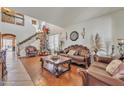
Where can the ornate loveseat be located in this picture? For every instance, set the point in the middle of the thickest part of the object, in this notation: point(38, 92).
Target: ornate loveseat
point(81, 55)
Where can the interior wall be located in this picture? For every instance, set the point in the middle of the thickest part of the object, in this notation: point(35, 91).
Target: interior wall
point(101, 25)
point(118, 25)
point(22, 32)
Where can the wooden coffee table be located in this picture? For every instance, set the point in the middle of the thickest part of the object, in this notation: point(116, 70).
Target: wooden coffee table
point(56, 67)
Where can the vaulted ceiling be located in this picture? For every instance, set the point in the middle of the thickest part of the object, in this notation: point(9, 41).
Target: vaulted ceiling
point(65, 16)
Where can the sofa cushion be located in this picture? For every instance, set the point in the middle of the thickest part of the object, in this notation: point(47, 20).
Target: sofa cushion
point(99, 65)
point(62, 54)
point(97, 70)
point(102, 59)
point(112, 66)
point(78, 58)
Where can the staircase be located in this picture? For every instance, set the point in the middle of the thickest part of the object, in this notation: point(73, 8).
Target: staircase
point(32, 40)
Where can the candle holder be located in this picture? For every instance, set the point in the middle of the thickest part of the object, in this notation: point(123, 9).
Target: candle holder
point(83, 33)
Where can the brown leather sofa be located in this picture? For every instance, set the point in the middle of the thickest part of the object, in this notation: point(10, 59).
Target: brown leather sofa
point(96, 74)
point(81, 56)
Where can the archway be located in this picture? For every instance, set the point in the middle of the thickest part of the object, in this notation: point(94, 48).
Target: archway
point(8, 41)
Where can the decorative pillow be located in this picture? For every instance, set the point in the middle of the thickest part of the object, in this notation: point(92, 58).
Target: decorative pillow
point(76, 52)
point(112, 66)
point(71, 52)
point(66, 50)
point(83, 52)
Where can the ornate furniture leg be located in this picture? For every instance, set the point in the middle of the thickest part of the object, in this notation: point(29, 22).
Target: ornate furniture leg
point(69, 65)
point(57, 71)
point(42, 63)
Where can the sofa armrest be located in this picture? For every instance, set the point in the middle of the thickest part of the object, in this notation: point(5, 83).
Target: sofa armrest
point(83, 73)
point(107, 80)
point(106, 60)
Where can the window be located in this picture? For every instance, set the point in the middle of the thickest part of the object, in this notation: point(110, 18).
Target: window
point(54, 42)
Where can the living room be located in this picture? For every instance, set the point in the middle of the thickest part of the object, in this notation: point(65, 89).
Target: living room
point(63, 45)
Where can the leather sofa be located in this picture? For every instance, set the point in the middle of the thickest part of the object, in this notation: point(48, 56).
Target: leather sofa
point(31, 51)
point(81, 56)
point(96, 74)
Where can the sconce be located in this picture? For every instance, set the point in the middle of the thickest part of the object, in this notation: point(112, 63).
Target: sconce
point(83, 33)
point(66, 36)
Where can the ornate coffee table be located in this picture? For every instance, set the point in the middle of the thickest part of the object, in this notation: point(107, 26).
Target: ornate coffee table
point(56, 67)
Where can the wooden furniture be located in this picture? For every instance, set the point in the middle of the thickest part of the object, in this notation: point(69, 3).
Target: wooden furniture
point(56, 67)
point(81, 55)
point(1, 70)
point(3, 67)
point(45, 53)
point(96, 74)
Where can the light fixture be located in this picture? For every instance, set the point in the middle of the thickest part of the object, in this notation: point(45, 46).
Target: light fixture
point(83, 33)
point(8, 11)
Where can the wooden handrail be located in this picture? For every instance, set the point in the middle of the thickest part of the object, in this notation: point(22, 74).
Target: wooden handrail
point(27, 39)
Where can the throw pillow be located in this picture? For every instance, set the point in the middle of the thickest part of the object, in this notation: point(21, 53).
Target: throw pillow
point(71, 52)
point(83, 52)
point(66, 50)
point(76, 52)
point(112, 66)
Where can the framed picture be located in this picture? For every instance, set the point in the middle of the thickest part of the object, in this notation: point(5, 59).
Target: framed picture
point(34, 22)
point(19, 19)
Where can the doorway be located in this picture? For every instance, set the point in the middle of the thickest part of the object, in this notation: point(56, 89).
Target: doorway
point(7, 44)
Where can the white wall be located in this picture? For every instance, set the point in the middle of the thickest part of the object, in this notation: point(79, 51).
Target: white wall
point(55, 29)
point(22, 32)
point(101, 25)
point(118, 25)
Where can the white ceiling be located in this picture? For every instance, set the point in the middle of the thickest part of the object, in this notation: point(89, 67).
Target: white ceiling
point(63, 16)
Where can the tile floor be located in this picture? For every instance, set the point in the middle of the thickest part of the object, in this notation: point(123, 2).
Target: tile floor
point(17, 75)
